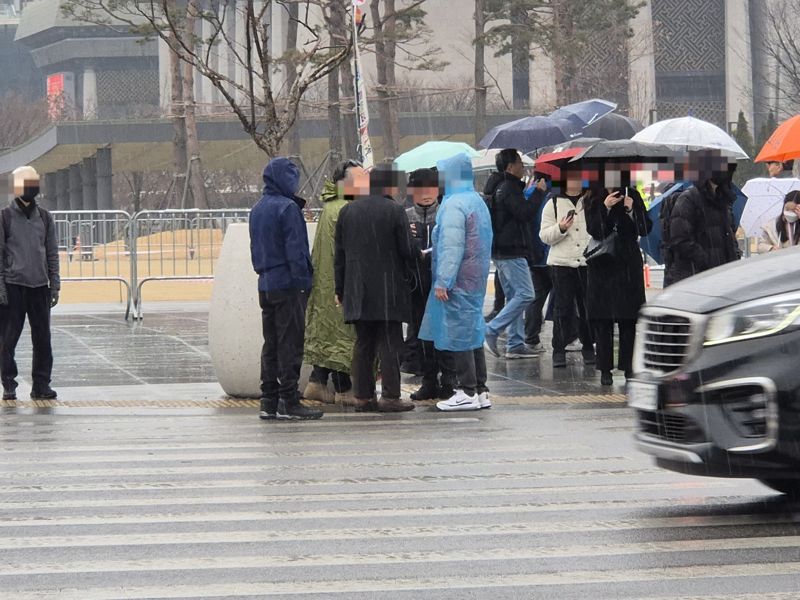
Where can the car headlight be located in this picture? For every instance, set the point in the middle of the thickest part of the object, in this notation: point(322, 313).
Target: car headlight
point(759, 318)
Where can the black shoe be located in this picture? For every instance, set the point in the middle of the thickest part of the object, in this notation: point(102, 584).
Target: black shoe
point(9, 394)
point(628, 375)
point(269, 409)
point(295, 411)
point(559, 360)
point(45, 394)
point(606, 378)
point(426, 392)
point(588, 356)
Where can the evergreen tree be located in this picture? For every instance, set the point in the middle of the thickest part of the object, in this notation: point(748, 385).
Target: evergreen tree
point(747, 169)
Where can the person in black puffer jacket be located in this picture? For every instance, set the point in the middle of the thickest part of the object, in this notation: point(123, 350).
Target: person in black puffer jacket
point(512, 215)
point(702, 234)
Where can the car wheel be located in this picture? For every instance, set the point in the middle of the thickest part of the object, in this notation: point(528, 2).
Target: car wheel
point(790, 487)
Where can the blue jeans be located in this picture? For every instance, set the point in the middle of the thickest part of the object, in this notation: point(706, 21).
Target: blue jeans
point(515, 277)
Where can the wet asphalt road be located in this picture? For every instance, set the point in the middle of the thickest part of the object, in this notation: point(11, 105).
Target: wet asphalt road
point(519, 502)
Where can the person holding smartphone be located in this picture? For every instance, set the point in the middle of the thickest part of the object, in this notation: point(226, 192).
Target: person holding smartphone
point(616, 283)
point(564, 230)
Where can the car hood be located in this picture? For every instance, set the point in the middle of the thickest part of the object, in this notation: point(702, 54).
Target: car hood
point(750, 279)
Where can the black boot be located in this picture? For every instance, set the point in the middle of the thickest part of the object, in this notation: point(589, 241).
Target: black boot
point(295, 411)
point(9, 393)
point(269, 409)
point(606, 378)
point(428, 391)
point(46, 393)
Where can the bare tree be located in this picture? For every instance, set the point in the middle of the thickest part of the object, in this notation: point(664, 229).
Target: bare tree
point(265, 113)
point(21, 119)
point(782, 45)
point(398, 26)
point(480, 67)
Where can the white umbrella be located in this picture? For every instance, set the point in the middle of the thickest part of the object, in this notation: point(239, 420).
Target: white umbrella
point(486, 159)
point(764, 201)
point(690, 133)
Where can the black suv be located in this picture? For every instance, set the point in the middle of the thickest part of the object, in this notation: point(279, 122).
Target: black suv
point(717, 373)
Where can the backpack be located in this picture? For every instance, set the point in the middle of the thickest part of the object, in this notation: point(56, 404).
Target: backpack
point(665, 215)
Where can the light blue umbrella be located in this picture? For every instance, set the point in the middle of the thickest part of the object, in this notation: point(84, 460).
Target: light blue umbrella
point(428, 154)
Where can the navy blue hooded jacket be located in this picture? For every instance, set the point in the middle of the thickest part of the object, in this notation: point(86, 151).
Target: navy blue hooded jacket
point(278, 236)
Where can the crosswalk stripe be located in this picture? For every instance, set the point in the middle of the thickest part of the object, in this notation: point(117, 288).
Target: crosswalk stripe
point(204, 537)
point(344, 586)
point(418, 496)
point(10, 522)
point(331, 560)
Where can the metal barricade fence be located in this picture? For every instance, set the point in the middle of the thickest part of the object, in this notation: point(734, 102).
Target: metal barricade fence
point(95, 246)
point(177, 245)
point(151, 245)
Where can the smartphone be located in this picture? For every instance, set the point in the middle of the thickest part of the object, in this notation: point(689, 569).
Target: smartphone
point(571, 214)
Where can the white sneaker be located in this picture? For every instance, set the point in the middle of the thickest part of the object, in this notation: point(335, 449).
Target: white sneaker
point(459, 401)
point(483, 400)
point(575, 346)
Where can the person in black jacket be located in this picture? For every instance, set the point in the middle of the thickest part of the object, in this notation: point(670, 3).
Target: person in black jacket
point(700, 231)
point(423, 187)
point(615, 284)
point(512, 215)
point(373, 256)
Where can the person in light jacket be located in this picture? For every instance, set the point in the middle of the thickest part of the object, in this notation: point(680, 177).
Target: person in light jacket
point(564, 230)
point(783, 232)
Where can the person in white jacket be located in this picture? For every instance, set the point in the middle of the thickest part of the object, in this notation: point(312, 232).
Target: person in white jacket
point(564, 230)
point(783, 232)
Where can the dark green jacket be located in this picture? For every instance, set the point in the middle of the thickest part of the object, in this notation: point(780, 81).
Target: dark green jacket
point(329, 341)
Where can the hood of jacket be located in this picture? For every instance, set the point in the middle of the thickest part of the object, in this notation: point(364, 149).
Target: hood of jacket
point(494, 181)
point(281, 178)
point(457, 174)
point(329, 192)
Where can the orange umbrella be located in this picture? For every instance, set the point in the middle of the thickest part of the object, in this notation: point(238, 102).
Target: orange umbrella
point(783, 144)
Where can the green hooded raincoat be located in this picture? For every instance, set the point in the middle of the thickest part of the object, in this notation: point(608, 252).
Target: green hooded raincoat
point(329, 341)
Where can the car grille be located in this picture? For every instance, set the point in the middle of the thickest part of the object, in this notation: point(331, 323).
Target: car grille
point(670, 426)
point(667, 342)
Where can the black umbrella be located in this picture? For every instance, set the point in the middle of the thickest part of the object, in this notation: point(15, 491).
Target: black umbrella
point(625, 149)
point(614, 127)
point(528, 134)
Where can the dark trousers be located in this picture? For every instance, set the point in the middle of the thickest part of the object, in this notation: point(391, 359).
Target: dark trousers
point(382, 340)
point(283, 321)
point(33, 303)
point(499, 294)
point(569, 293)
point(428, 356)
point(534, 317)
point(604, 338)
point(341, 381)
point(467, 368)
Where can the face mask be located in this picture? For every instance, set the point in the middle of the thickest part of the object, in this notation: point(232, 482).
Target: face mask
point(30, 192)
point(790, 216)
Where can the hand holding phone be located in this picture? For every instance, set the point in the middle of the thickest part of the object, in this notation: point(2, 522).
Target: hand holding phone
point(612, 200)
point(567, 222)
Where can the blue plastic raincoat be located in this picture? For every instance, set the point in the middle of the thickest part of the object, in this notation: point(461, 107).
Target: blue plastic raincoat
point(462, 247)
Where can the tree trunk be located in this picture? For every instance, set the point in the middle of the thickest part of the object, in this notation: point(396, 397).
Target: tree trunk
point(480, 75)
point(334, 120)
point(291, 74)
point(179, 156)
point(520, 65)
point(349, 112)
point(385, 51)
point(197, 183)
point(338, 28)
